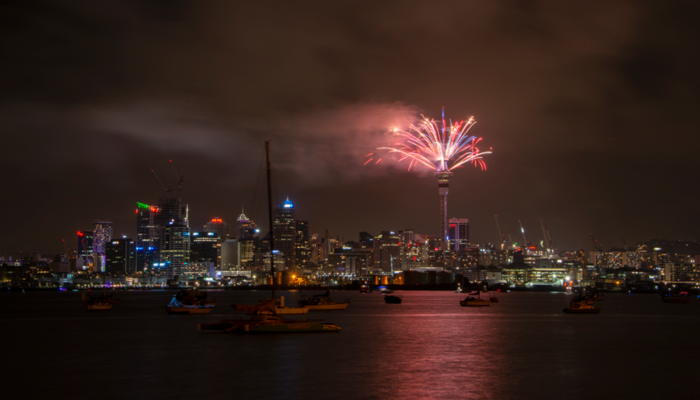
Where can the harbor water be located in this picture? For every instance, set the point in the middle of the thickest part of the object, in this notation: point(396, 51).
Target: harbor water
point(523, 347)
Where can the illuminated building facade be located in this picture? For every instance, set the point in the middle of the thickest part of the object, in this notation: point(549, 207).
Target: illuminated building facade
point(458, 234)
point(101, 235)
point(219, 227)
point(205, 247)
point(230, 255)
point(147, 241)
point(84, 258)
point(174, 248)
point(246, 227)
point(285, 231)
point(387, 251)
point(303, 249)
point(119, 257)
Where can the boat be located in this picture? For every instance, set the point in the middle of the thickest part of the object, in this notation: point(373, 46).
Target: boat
point(492, 297)
point(194, 297)
point(680, 298)
point(391, 299)
point(598, 297)
point(384, 290)
point(365, 289)
point(322, 302)
point(265, 319)
point(269, 324)
point(99, 303)
point(279, 308)
point(582, 305)
point(471, 301)
point(176, 307)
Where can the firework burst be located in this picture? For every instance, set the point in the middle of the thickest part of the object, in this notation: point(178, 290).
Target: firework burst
point(440, 148)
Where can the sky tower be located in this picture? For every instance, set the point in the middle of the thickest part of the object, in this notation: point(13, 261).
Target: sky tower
point(440, 148)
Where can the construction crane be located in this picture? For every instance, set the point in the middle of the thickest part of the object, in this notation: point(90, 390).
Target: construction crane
point(168, 189)
point(509, 237)
point(623, 242)
point(598, 245)
point(500, 235)
point(549, 237)
point(544, 234)
point(523, 231)
point(66, 247)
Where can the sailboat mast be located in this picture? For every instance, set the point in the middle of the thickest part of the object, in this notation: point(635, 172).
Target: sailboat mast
point(269, 214)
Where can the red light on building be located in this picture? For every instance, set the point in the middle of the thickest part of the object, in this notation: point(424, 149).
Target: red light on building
point(80, 233)
point(452, 225)
point(137, 211)
point(533, 247)
point(217, 220)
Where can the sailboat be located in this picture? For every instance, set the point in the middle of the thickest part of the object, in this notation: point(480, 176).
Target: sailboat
point(472, 301)
point(322, 302)
point(102, 303)
point(265, 319)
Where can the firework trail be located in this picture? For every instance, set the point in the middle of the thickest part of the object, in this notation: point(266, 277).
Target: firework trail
point(440, 148)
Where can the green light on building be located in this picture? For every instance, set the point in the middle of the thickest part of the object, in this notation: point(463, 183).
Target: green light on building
point(141, 205)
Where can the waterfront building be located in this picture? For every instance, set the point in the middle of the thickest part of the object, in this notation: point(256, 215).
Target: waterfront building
point(219, 227)
point(285, 231)
point(458, 234)
point(119, 257)
point(101, 235)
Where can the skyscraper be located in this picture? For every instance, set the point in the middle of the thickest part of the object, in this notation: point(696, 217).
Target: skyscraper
point(285, 230)
point(246, 227)
point(218, 226)
point(204, 247)
point(230, 254)
point(147, 241)
point(303, 250)
point(102, 234)
point(458, 234)
point(120, 257)
point(387, 251)
point(84, 256)
point(175, 247)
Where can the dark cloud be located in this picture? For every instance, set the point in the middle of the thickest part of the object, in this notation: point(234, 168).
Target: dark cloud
point(589, 108)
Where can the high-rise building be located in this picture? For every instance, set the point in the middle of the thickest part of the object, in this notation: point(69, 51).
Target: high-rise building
point(147, 241)
point(285, 231)
point(246, 227)
point(205, 247)
point(230, 255)
point(387, 251)
point(102, 234)
point(458, 234)
point(120, 257)
point(84, 259)
point(303, 250)
point(168, 212)
point(175, 248)
point(219, 227)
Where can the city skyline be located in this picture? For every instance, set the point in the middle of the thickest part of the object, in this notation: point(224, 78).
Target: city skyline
point(589, 110)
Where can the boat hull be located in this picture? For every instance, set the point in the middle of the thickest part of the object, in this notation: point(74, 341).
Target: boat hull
point(593, 310)
point(188, 310)
point(279, 310)
point(322, 307)
point(98, 307)
point(475, 303)
point(269, 326)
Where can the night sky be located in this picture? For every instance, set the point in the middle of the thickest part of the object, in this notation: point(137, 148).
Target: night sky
point(590, 107)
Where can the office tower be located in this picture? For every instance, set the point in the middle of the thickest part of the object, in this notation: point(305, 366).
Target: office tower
point(169, 211)
point(458, 234)
point(120, 257)
point(83, 261)
point(387, 251)
point(101, 235)
point(204, 247)
point(175, 248)
point(219, 227)
point(366, 240)
point(303, 250)
point(246, 227)
point(285, 231)
point(230, 255)
point(147, 241)
point(408, 236)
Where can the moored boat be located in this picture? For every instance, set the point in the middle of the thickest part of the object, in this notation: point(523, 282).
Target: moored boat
point(681, 298)
point(176, 307)
point(471, 301)
point(321, 302)
point(391, 299)
point(269, 324)
point(582, 305)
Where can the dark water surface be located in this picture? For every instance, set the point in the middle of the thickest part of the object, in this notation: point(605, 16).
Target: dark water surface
point(523, 347)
